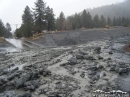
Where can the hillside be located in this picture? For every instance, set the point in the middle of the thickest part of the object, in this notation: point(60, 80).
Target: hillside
point(114, 10)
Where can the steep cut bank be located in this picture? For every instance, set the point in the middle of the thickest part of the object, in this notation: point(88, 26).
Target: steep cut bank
point(75, 37)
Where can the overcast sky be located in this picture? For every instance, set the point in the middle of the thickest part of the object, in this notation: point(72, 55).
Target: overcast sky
point(12, 10)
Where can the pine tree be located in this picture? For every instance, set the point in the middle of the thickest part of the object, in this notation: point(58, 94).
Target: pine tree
point(109, 21)
point(60, 22)
point(8, 27)
point(114, 21)
point(4, 31)
point(102, 21)
point(89, 20)
point(27, 22)
point(40, 15)
point(96, 21)
point(84, 19)
point(50, 19)
point(69, 21)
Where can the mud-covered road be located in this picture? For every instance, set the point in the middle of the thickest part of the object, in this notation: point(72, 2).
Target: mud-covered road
point(99, 63)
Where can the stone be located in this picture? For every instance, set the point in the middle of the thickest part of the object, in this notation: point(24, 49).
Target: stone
point(102, 74)
point(11, 76)
point(93, 68)
point(82, 74)
point(109, 59)
point(35, 83)
point(27, 94)
point(34, 75)
point(112, 68)
point(100, 67)
point(79, 56)
point(73, 61)
point(100, 58)
point(18, 82)
point(30, 87)
point(122, 70)
point(1, 72)
point(110, 52)
point(15, 69)
point(128, 69)
point(3, 80)
point(97, 50)
point(89, 57)
point(83, 52)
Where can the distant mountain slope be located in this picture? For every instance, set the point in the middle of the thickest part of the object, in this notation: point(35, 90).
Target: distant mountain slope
point(114, 10)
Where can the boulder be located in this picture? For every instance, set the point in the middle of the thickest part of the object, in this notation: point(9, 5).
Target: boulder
point(73, 61)
point(83, 52)
point(35, 83)
point(100, 67)
point(18, 82)
point(89, 57)
point(33, 75)
point(122, 70)
point(110, 52)
point(27, 94)
point(100, 58)
point(97, 50)
point(79, 56)
point(112, 68)
point(30, 87)
point(102, 74)
point(93, 68)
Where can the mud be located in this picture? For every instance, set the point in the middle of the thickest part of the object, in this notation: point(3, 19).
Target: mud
point(67, 71)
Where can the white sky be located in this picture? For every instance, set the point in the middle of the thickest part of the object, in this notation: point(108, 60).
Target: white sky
point(12, 10)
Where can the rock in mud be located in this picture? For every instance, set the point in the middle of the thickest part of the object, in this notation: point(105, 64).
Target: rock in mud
point(1, 72)
point(112, 68)
point(18, 82)
point(15, 69)
point(110, 52)
point(100, 67)
point(73, 61)
point(79, 56)
point(27, 94)
point(93, 68)
point(89, 57)
point(100, 58)
point(83, 52)
point(97, 50)
point(33, 75)
point(102, 74)
point(122, 70)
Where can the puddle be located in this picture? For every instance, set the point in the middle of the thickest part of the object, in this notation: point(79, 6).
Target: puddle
point(123, 83)
point(16, 42)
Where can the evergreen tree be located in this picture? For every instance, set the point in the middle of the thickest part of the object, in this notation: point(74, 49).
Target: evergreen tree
point(114, 21)
point(27, 22)
point(40, 15)
point(84, 19)
point(119, 21)
point(76, 21)
point(96, 21)
point(50, 19)
point(4, 31)
point(102, 21)
point(89, 20)
point(69, 21)
point(8, 27)
point(1, 28)
point(60, 23)
point(109, 21)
